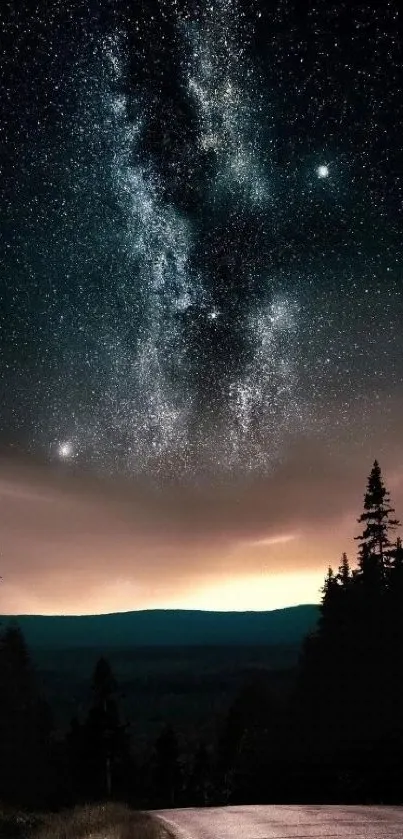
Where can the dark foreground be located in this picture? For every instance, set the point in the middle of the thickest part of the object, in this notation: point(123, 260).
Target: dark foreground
point(109, 820)
point(284, 822)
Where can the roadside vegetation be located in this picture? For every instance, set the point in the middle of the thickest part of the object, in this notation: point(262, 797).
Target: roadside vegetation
point(91, 821)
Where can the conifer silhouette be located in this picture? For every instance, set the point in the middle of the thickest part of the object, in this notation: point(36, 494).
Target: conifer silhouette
point(356, 653)
point(107, 746)
point(375, 539)
point(25, 725)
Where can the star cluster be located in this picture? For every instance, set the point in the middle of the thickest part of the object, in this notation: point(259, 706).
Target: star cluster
point(203, 224)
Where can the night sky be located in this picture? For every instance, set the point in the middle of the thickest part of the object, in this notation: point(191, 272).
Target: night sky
point(201, 296)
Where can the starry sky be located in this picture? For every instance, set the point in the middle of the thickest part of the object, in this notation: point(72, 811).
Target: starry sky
point(201, 296)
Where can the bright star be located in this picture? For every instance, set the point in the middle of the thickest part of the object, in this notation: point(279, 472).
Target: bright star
point(323, 171)
point(213, 315)
point(65, 450)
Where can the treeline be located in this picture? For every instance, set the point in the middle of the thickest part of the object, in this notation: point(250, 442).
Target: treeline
point(95, 760)
point(335, 736)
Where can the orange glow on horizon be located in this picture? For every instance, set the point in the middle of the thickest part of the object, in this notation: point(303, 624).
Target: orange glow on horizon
point(72, 545)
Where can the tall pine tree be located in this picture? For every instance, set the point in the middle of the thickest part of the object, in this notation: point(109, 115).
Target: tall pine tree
point(106, 746)
point(375, 540)
point(167, 768)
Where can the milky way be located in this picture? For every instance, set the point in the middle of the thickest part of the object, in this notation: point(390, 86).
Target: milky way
point(209, 381)
point(202, 262)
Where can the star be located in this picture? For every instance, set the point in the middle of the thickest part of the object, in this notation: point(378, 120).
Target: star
point(213, 314)
point(65, 450)
point(323, 171)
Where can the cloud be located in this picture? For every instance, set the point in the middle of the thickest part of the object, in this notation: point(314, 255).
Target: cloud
point(271, 540)
point(71, 542)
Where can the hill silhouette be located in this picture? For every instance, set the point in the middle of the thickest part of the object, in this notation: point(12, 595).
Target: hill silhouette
point(160, 627)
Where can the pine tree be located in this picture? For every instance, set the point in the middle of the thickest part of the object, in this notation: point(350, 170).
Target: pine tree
point(328, 587)
point(375, 539)
point(104, 684)
point(356, 650)
point(25, 725)
point(106, 743)
point(344, 575)
point(330, 603)
point(373, 658)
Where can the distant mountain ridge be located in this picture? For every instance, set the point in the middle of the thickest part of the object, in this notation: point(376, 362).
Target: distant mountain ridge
point(167, 627)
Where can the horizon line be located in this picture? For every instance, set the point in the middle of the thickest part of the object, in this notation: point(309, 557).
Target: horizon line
point(156, 609)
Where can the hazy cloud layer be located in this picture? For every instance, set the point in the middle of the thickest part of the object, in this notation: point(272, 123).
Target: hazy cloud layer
point(76, 543)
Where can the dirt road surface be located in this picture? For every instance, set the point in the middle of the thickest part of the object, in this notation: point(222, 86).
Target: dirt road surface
point(284, 822)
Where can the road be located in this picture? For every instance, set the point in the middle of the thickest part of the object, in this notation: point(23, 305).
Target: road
point(284, 822)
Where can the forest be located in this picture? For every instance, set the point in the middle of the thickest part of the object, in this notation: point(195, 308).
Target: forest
point(333, 733)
